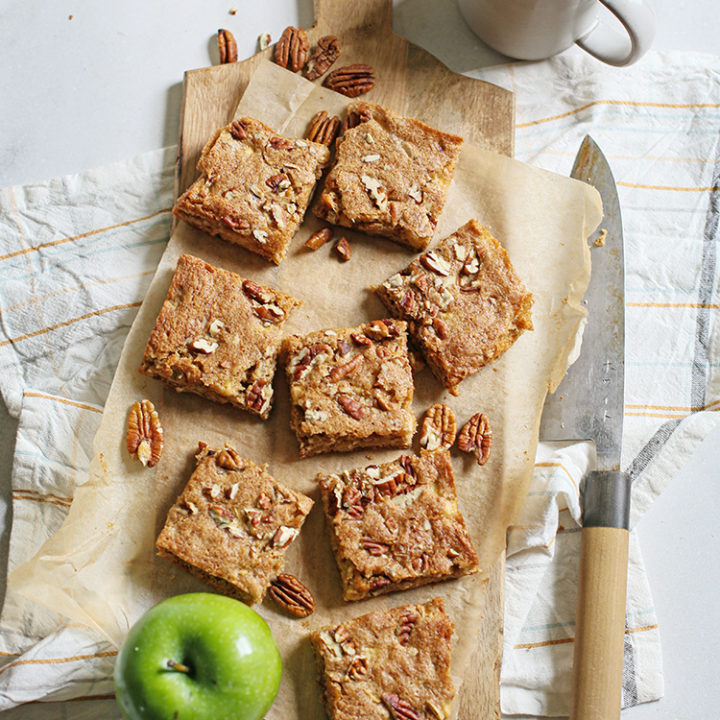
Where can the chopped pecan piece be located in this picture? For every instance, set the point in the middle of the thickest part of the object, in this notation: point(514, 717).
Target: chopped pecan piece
point(264, 40)
point(341, 371)
point(399, 709)
point(144, 434)
point(355, 118)
point(351, 80)
point(292, 48)
point(438, 428)
point(255, 396)
point(361, 339)
point(319, 238)
point(476, 437)
point(323, 128)
point(228, 458)
point(235, 223)
point(440, 328)
point(374, 547)
point(351, 406)
point(342, 248)
point(288, 592)
point(278, 143)
point(322, 57)
point(407, 623)
point(275, 182)
point(358, 668)
point(227, 46)
point(270, 313)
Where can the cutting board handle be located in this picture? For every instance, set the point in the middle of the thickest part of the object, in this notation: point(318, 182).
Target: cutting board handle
point(340, 15)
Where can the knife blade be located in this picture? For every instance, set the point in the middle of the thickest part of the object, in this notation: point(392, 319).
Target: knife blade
point(589, 405)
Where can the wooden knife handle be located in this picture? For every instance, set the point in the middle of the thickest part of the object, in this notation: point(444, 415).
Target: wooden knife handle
point(602, 587)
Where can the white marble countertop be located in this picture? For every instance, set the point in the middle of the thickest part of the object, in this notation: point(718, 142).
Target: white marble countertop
point(86, 83)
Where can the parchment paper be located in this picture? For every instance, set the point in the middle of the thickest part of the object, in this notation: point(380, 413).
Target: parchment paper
point(100, 568)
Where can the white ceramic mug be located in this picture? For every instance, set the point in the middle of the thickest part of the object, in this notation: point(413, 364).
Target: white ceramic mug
point(538, 29)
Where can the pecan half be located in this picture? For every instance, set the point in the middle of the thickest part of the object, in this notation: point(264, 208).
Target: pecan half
point(399, 709)
point(351, 80)
point(476, 437)
point(237, 130)
point(322, 57)
point(227, 46)
point(351, 406)
point(292, 48)
point(228, 458)
point(319, 238)
point(438, 428)
point(343, 249)
point(144, 434)
point(341, 371)
point(323, 128)
point(291, 595)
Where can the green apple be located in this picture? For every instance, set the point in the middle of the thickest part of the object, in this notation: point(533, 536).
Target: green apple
point(198, 657)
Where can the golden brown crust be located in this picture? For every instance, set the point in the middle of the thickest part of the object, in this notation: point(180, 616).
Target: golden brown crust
point(397, 525)
point(463, 301)
point(350, 388)
point(399, 656)
point(216, 338)
point(232, 524)
point(391, 176)
point(254, 188)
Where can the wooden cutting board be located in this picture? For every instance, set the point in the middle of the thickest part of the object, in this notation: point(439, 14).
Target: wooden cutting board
point(412, 82)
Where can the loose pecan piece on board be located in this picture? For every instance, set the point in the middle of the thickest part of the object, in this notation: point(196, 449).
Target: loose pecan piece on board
point(476, 437)
point(144, 434)
point(438, 428)
point(351, 80)
point(322, 57)
point(288, 592)
point(292, 48)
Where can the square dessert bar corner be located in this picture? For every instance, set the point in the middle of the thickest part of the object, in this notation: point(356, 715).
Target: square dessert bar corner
point(463, 301)
point(396, 526)
point(232, 524)
point(217, 335)
point(255, 187)
point(388, 664)
point(391, 176)
point(350, 388)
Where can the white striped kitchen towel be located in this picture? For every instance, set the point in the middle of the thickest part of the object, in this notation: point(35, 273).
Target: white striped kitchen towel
point(76, 255)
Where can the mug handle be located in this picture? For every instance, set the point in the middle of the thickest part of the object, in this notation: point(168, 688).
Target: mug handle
point(606, 44)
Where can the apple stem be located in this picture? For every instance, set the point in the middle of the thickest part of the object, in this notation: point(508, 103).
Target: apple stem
point(178, 666)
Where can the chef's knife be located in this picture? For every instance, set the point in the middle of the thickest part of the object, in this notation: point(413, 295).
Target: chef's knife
point(588, 404)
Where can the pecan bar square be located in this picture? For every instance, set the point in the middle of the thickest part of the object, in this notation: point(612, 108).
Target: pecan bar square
point(397, 526)
point(232, 524)
point(254, 188)
point(391, 176)
point(350, 388)
point(388, 664)
point(217, 335)
point(463, 301)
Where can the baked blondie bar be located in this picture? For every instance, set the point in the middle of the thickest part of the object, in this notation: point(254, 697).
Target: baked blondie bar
point(254, 188)
point(232, 524)
point(388, 664)
point(350, 388)
point(390, 177)
point(397, 525)
point(217, 335)
point(463, 301)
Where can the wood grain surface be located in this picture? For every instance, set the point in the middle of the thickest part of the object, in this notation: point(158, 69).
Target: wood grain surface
point(412, 82)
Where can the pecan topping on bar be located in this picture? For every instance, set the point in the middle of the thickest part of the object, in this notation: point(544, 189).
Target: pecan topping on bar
point(319, 238)
point(476, 437)
point(351, 406)
point(307, 357)
point(323, 128)
point(343, 249)
point(322, 57)
point(292, 48)
point(278, 182)
point(374, 547)
point(228, 458)
point(288, 592)
point(237, 130)
point(438, 428)
point(144, 434)
point(235, 223)
point(225, 520)
point(432, 261)
point(341, 371)
point(407, 623)
point(361, 339)
point(227, 46)
point(257, 397)
point(355, 118)
point(204, 346)
point(284, 536)
point(358, 668)
point(351, 80)
point(399, 709)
